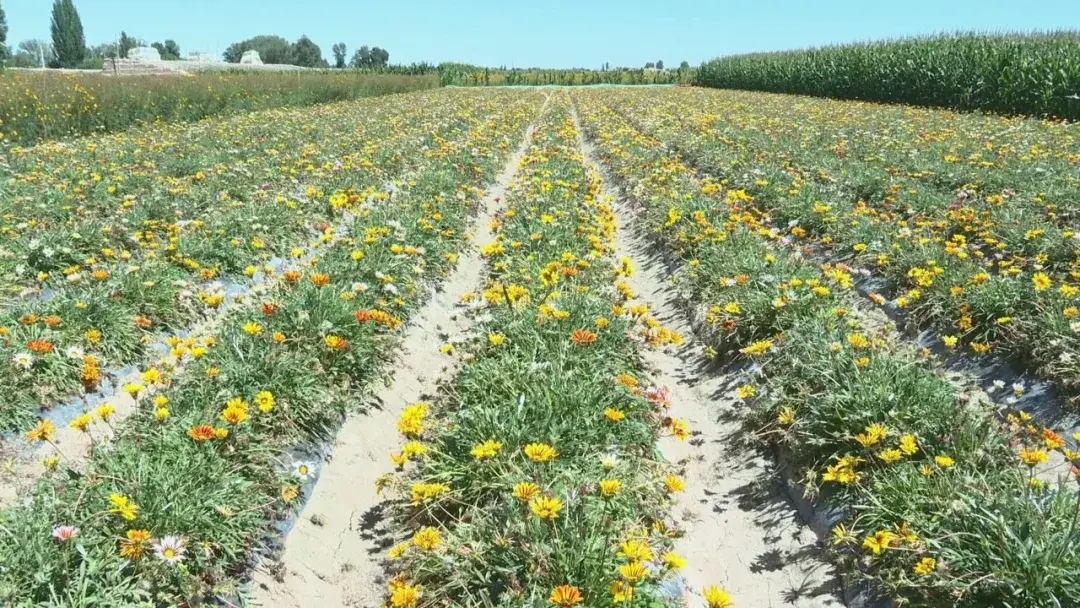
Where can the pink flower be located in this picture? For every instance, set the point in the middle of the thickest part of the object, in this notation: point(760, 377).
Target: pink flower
point(65, 533)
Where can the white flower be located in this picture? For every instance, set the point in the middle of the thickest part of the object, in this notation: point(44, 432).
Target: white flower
point(74, 352)
point(65, 533)
point(610, 461)
point(1018, 388)
point(24, 360)
point(169, 549)
point(390, 288)
point(359, 287)
point(997, 386)
point(303, 470)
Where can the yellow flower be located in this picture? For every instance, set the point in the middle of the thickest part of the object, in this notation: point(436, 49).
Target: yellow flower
point(546, 507)
point(1034, 457)
point(525, 491)
point(81, 422)
point(565, 595)
point(487, 450)
point(446, 349)
point(1041, 281)
point(890, 456)
point(122, 506)
point(944, 461)
point(635, 550)
point(908, 445)
point(496, 339)
point(427, 539)
point(716, 597)
point(925, 566)
point(614, 415)
point(745, 391)
point(609, 487)
point(633, 573)
point(786, 416)
point(879, 541)
point(105, 411)
point(264, 400)
point(252, 328)
point(540, 452)
point(673, 561)
point(674, 484)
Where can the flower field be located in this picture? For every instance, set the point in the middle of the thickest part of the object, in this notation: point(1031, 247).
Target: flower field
point(205, 325)
point(938, 491)
point(351, 228)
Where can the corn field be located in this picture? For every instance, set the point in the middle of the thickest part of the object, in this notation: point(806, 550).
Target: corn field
point(1036, 74)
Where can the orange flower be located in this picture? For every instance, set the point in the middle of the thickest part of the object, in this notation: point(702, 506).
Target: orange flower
point(583, 337)
point(320, 279)
point(565, 595)
point(40, 347)
point(201, 433)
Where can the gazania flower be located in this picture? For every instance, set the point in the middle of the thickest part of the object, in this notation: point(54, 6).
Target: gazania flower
point(65, 533)
point(540, 452)
point(614, 415)
point(43, 431)
point(546, 507)
point(525, 491)
point(427, 539)
point(336, 342)
point(134, 545)
point(609, 487)
point(487, 450)
point(264, 400)
point(201, 433)
point(633, 573)
point(635, 551)
point(716, 597)
point(565, 595)
point(582, 337)
point(123, 506)
point(170, 549)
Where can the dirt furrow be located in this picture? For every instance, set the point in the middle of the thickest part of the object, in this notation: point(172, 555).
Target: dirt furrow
point(741, 531)
point(334, 555)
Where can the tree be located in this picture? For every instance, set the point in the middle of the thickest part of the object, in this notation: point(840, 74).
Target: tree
point(306, 53)
point(684, 65)
point(126, 44)
point(361, 58)
point(660, 64)
point(379, 57)
point(172, 50)
point(29, 53)
point(339, 55)
point(69, 42)
point(650, 65)
point(107, 50)
point(169, 50)
point(4, 52)
point(272, 49)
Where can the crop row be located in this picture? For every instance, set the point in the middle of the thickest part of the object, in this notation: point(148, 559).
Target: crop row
point(937, 501)
point(173, 509)
point(534, 480)
point(969, 222)
point(1035, 74)
point(114, 242)
point(42, 106)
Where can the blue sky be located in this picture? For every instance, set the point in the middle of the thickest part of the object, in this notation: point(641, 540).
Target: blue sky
point(544, 33)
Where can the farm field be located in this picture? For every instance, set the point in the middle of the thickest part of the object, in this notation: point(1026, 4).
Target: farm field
point(543, 347)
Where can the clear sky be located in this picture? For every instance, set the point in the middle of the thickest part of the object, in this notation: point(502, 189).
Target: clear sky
point(541, 33)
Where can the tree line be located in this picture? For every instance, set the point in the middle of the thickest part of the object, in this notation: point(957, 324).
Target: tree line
point(67, 47)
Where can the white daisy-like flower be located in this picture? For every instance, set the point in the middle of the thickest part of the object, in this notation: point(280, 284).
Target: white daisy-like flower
point(24, 360)
point(170, 549)
point(74, 352)
point(65, 533)
point(303, 469)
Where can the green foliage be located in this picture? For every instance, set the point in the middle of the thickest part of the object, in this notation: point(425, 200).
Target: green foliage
point(339, 55)
point(1036, 74)
point(126, 44)
point(272, 49)
point(374, 57)
point(94, 103)
point(306, 53)
point(69, 42)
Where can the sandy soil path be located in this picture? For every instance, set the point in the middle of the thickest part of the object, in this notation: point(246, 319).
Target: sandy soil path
point(334, 555)
point(741, 531)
